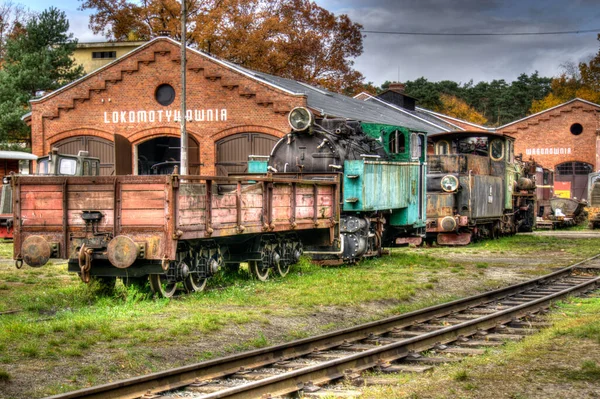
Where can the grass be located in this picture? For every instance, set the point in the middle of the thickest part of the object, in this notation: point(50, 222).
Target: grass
point(561, 361)
point(63, 320)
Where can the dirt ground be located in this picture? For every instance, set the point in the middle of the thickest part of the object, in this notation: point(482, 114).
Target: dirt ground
point(32, 377)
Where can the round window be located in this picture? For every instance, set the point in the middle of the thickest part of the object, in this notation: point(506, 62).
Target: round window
point(497, 150)
point(576, 129)
point(165, 94)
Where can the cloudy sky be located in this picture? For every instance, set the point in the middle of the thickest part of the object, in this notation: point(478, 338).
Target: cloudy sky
point(457, 58)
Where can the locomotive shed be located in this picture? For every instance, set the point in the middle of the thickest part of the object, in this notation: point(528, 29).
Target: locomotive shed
point(127, 112)
point(107, 360)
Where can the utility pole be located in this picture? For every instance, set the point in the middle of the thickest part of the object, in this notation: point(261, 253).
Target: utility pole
point(184, 139)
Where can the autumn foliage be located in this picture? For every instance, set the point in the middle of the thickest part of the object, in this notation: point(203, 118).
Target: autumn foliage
point(458, 108)
point(581, 81)
point(294, 39)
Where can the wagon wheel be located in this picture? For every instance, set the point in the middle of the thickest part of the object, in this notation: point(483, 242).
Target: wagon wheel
point(282, 258)
point(256, 268)
point(160, 285)
point(194, 283)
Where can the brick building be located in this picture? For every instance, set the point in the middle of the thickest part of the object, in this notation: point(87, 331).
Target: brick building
point(127, 112)
point(563, 138)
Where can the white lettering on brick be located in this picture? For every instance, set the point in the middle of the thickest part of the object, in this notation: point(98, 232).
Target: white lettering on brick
point(191, 115)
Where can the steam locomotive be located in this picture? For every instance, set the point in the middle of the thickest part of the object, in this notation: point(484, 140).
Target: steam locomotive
point(476, 188)
point(383, 187)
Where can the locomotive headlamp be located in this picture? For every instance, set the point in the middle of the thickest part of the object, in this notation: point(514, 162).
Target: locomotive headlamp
point(300, 118)
point(449, 183)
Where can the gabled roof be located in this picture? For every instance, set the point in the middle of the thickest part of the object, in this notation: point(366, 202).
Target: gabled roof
point(551, 109)
point(437, 125)
point(446, 117)
point(330, 104)
point(323, 102)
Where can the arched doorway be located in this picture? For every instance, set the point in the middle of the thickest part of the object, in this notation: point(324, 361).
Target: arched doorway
point(233, 151)
point(577, 174)
point(95, 146)
point(160, 154)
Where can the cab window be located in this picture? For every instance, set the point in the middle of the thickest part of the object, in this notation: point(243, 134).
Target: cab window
point(42, 168)
point(67, 166)
point(497, 150)
point(397, 142)
point(442, 148)
point(416, 146)
point(473, 145)
point(86, 168)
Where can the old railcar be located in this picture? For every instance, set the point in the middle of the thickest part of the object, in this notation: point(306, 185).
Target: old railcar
point(476, 188)
point(12, 162)
point(170, 229)
point(594, 200)
point(382, 169)
point(54, 164)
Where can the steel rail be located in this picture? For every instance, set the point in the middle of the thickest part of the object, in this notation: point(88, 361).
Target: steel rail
point(327, 371)
point(179, 377)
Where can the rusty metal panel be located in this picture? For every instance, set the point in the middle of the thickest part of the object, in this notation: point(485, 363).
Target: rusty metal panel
point(487, 196)
point(440, 204)
point(53, 208)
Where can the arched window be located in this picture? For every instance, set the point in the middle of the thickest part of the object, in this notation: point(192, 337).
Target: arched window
point(397, 142)
point(497, 149)
point(442, 148)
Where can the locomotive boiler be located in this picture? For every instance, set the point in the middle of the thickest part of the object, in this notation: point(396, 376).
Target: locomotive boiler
point(477, 188)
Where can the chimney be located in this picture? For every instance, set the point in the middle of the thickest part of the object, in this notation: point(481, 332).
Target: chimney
point(395, 95)
point(397, 87)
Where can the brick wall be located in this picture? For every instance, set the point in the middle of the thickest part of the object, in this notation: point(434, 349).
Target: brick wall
point(115, 100)
point(547, 136)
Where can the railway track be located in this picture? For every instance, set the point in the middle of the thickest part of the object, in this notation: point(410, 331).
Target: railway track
point(456, 327)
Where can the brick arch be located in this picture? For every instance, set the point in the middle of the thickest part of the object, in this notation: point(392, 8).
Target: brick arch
point(77, 132)
point(245, 129)
point(146, 134)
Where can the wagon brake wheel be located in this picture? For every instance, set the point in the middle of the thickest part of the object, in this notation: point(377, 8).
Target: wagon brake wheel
point(256, 268)
point(160, 285)
point(194, 283)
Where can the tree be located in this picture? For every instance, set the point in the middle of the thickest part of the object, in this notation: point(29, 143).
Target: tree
point(458, 108)
point(11, 23)
point(37, 60)
point(581, 81)
point(294, 39)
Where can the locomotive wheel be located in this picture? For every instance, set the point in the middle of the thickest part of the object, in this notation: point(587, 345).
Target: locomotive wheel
point(262, 273)
point(193, 283)
point(161, 286)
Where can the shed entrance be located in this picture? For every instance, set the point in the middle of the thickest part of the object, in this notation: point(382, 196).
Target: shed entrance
point(159, 155)
point(233, 151)
point(576, 173)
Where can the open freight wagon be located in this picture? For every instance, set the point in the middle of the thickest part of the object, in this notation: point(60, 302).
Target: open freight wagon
point(172, 229)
